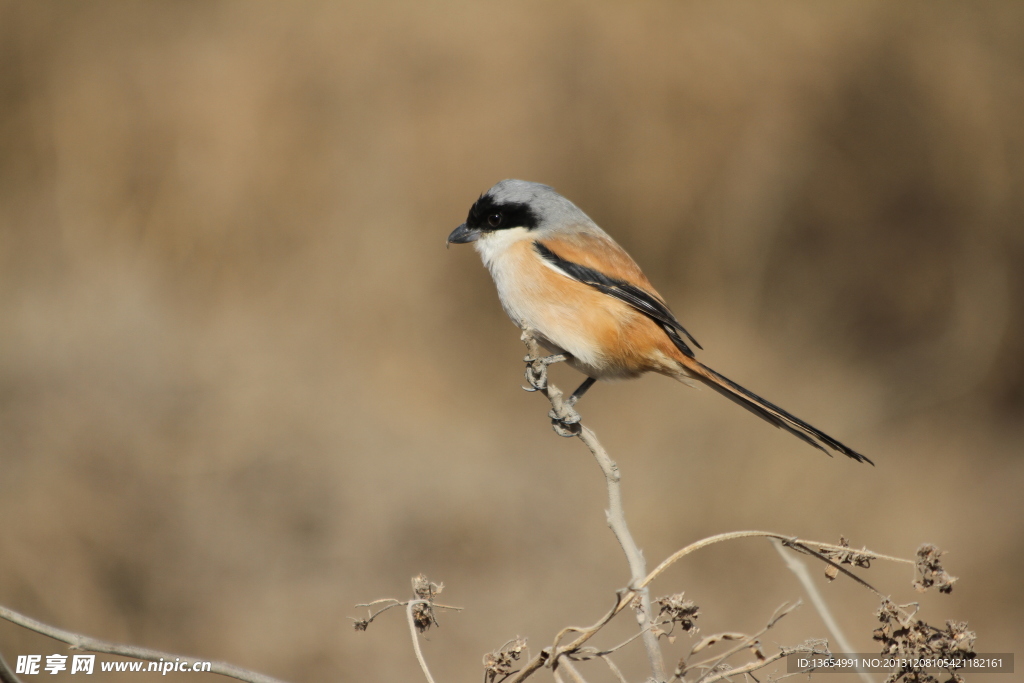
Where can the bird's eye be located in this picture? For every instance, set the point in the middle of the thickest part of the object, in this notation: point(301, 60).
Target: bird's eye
point(494, 220)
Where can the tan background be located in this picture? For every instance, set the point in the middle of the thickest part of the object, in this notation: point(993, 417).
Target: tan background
point(243, 386)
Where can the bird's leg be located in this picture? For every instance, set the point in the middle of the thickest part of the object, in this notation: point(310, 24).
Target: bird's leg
point(580, 390)
point(566, 423)
point(566, 420)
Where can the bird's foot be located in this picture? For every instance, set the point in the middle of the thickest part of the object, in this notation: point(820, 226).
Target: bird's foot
point(537, 370)
point(565, 422)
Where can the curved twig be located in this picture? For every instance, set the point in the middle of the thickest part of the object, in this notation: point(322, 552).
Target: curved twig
point(566, 423)
point(799, 569)
point(616, 517)
point(797, 544)
point(625, 596)
point(415, 636)
point(87, 644)
point(6, 675)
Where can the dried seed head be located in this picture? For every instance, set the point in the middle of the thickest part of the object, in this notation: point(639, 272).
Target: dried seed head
point(423, 612)
point(902, 634)
point(423, 616)
point(501, 663)
point(930, 571)
point(674, 609)
point(856, 558)
point(424, 589)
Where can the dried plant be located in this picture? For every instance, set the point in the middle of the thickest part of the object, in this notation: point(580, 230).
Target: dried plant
point(737, 653)
point(725, 655)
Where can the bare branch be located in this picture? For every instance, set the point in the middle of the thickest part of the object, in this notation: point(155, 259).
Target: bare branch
point(870, 554)
point(6, 675)
point(87, 644)
point(804, 576)
point(419, 613)
point(625, 596)
point(410, 615)
point(537, 662)
point(747, 642)
point(602, 653)
point(797, 544)
point(571, 670)
point(566, 423)
point(714, 668)
point(707, 642)
point(362, 624)
point(748, 668)
point(615, 670)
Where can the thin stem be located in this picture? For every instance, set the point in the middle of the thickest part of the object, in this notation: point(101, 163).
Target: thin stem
point(793, 543)
point(615, 669)
point(753, 666)
point(567, 423)
point(616, 516)
point(571, 670)
point(625, 596)
point(750, 640)
point(415, 638)
point(6, 675)
point(711, 665)
point(796, 566)
point(637, 564)
point(87, 644)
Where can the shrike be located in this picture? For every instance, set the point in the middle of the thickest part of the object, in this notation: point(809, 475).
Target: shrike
point(563, 277)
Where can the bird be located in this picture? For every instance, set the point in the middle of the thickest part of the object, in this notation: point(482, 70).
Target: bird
point(564, 278)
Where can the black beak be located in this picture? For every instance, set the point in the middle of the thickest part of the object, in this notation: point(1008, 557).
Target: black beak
point(463, 235)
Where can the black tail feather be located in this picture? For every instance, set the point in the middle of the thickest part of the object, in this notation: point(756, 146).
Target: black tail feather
point(773, 414)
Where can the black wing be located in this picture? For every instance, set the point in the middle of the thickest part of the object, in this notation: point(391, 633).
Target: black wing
point(646, 303)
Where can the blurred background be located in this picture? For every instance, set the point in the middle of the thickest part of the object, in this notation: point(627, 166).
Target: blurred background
point(243, 386)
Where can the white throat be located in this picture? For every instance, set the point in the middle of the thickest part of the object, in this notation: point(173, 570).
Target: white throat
point(492, 245)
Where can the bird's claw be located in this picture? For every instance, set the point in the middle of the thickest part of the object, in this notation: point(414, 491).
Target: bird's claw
point(568, 415)
point(546, 360)
point(537, 370)
point(536, 375)
point(567, 422)
point(566, 430)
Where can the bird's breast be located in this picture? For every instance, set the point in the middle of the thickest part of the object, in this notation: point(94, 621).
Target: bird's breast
point(599, 331)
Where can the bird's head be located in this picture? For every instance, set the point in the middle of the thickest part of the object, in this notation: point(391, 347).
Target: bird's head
point(517, 209)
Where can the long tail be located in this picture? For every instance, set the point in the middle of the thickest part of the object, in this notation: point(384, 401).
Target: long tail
point(768, 411)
